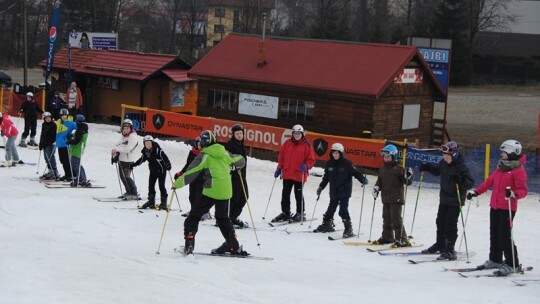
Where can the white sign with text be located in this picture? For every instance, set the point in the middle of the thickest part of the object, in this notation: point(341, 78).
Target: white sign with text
point(258, 105)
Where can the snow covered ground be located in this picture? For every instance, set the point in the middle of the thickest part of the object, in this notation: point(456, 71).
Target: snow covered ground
point(62, 246)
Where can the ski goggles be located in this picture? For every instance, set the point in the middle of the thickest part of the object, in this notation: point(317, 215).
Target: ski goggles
point(385, 153)
point(445, 149)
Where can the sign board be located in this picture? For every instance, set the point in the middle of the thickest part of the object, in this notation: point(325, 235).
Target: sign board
point(438, 61)
point(410, 76)
point(258, 105)
point(97, 41)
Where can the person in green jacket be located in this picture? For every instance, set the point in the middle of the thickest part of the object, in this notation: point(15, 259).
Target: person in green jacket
point(214, 163)
point(77, 143)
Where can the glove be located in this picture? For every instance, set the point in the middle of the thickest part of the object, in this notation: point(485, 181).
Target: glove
point(114, 157)
point(303, 168)
point(457, 179)
point(409, 174)
point(233, 168)
point(319, 190)
point(40, 147)
point(177, 175)
point(168, 166)
point(277, 173)
point(375, 192)
point(471, 194)
point(363, 180)
point(424, 167)
point(2, 132)
point(509, 193)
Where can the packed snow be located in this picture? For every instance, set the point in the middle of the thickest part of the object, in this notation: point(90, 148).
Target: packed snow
point(62, 246)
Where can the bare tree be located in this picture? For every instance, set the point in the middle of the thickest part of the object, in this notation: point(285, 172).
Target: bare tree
point(489, 15)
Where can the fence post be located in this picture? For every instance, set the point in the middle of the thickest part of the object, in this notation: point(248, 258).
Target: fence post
point(1, 99)
point(486, 165)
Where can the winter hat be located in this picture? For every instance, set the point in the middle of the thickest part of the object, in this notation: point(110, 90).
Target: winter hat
point(80, 118)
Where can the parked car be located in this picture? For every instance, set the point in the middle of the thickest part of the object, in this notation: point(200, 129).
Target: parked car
point(5, 79)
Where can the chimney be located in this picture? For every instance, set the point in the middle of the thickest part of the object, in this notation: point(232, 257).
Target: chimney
point(261, 58)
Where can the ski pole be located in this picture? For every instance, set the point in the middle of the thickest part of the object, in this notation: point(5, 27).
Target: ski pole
point(176, 195)
point(462, 222)
point(38, 162)
point(118, 174)
point(403, 215)
point(416, 204)
point(466, 220)
point(314, 208)
point(302, 202)
point(361, 209)
point(165, 223)
point(372, 214)
point(137, 194)
point(511, 223)
point(268, 204)
point(249, 209)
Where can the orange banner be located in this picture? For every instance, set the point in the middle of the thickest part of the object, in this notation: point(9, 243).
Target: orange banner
point(362, 152)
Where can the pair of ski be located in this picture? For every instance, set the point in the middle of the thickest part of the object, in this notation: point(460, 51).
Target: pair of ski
point(23, 164)
point(222, 255)
point(54, 184)
point(381, 247)
point(461, 256)
point(114, 199)
point(289, 222)
point(496, 273)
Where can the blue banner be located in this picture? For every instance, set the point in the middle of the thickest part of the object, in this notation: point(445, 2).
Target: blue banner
point(438, 61)
point(53, 34)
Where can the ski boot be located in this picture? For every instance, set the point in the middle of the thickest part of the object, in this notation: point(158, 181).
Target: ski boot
point(189, 244)
point(22, 143)
point(163, 204)
point(348, 233)
point(432, 249)
point(298, 218)
point(32, 142)
point(238, 224)
point(282, 217)
point(326, 226)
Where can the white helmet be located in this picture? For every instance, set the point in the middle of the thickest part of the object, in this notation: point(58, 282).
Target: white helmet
point(148, 138)
point(46, 114)
point(337, 147)
point(299, 128)
point(128, 121)
point(512, 148)
point(30, 94)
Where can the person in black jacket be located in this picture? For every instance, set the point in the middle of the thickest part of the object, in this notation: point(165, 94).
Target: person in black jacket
point(235, 145)
point(455, 177)
point(339, 172)
point(30, 109)
point(159, 164)
point(195, 187)
point(47, 142)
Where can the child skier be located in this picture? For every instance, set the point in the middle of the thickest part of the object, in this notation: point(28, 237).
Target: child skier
point(64, 127)
point(214, 162)
point(47, 144)
point(10, 131)
point(77, 143)
point(392, 177)
point(124, 152)
point(235, 145)
point(159, 164)
point(455, 177)
point(339, 172)
point(30, 108)
point(509, 184)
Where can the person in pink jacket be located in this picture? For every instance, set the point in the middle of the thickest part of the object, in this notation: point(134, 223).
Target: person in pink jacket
point(295, 158)
point(10, 131)
point(509, 184)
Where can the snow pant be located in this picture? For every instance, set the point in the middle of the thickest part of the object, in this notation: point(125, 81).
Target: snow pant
point(30, 125)
point(393, 222)
point(152, 183)
point(447, 220)
point(125, 177)
point(195, 192)
point(343, 204)
point(203, 205)
point(79, 175)
point(50, 159)
point(238, 199)
point(288, 185)
point(500, 241)
point(63, 155)
point(11, 149)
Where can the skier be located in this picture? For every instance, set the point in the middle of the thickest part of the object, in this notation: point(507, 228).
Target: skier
point(235, 145)
point(47, 144)
point(9, 130)
point(195, 187)
point(214, 162)
point(55, 104)
point(295, 159)
point(30, 108)
point(455, 177)
point(159, 164)
point(509, 182)
point(64, 127)
point(339, 172)
point(392, 177)
point(77, 143)
point(124, 153)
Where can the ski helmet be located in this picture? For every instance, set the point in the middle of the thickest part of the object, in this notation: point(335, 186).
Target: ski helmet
point(512, 148)
point(64, 112)
point(80, 118)
point(127, 122)
point(45, 114)
point(337, 147)
point(299, 128)
point(238, 127)
point(389, 150)
point(30, 94)
point(148, 138)
point(451, 148)
point(207, 138)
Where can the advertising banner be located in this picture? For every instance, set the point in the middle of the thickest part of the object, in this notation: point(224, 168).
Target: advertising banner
point(439, 61)
point(410, 76)
point(97, 41)
point(53, 34)
point(174, 124)
point(258, 105)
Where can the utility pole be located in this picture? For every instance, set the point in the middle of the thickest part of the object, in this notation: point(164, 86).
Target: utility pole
point(25, 42)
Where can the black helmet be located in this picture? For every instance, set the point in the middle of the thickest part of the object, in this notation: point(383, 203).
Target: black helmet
point(207, 138)
point(237, 127)
point(64, 111)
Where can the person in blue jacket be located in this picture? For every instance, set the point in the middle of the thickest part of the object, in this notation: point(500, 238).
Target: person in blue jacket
point(64, 127)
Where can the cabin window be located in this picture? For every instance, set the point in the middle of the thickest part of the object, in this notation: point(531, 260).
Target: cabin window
point(219, 28)
point(220, 12)
point(297, 109)
point(220, 99)
point(411, 117)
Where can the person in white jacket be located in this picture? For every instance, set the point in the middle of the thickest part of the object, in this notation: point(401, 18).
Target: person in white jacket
point(125, 153)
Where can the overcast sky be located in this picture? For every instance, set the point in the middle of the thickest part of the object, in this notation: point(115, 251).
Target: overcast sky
point(529, 22)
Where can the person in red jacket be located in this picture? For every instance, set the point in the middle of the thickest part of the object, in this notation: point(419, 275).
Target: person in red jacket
point(509, 182)
point(10, 131)
point(295, 158)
